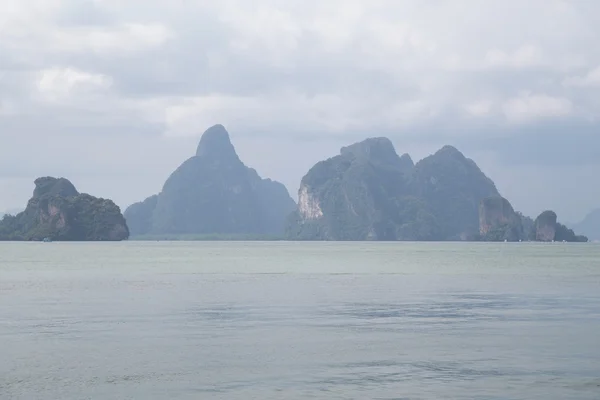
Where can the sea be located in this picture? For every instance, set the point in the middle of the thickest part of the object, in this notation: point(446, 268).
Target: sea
point(299, 320)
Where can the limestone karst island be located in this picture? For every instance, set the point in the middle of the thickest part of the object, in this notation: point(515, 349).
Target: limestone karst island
point(58, 211)
point(366, 192)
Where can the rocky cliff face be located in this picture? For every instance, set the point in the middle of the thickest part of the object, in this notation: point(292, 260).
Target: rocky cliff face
point(453, 186)
point(308, 204)
point(547, 229)
point(498, 220)
point(58, 211)
point(360, 194)
point(406, 164)
point(368, 192)
point(545, 226)
point(213, 192)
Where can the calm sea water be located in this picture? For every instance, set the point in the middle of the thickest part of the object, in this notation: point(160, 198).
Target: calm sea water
point(217, 320)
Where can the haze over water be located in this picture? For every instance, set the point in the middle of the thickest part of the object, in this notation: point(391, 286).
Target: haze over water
point(234, 320)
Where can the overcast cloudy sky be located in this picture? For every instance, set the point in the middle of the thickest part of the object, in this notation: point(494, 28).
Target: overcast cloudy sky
point(114, 94)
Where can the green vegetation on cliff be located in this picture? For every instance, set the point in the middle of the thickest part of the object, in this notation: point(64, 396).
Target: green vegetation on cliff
point(368, 192)
point(452, 186)
point(213, 193)
point(498, 221)
point(356, 195)
point(547, 229)
point(57, 211)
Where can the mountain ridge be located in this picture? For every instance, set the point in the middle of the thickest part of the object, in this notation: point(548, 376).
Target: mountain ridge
point(365, 192)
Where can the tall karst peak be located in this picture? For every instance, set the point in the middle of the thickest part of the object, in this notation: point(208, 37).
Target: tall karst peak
point(406, 163)
point(54, 186)
point(215, 143)
point(359, 194)
point(377, 149)
point(213, 192)
point(450, 152)
point(453, 186)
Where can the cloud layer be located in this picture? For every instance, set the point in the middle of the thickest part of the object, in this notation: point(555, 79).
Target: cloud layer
point(115, 94)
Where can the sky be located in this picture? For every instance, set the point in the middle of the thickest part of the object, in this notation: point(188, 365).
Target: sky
point(114, 95)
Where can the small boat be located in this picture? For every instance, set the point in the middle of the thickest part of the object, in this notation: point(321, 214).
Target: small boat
point(47, 239)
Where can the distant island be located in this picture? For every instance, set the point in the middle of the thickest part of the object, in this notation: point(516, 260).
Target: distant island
point(590, 225)
point(57, 211)
point(499, 222)
point(213, 194)
point(366, 192)
point(369, 192)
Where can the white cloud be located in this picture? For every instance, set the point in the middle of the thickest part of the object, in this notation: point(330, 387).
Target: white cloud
point(58, 83)
point(291, 112)
point(34, 29)
point(126, 38)
point(479, 108)
point(332, 65)
point(527, 107)
point(336, 27)
point(413, 68)
point(524, 57)
point(17, 16)
point(6, 108)
point(268, 29)
point(591, 79)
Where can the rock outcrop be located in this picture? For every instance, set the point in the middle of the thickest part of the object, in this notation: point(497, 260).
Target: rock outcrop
point(498, 221)
point(59, 212)
point(406, 164)
point(545, 226)
point(213, 192)
point(547, 229)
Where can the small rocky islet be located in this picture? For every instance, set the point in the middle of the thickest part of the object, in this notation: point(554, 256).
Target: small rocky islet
point(366, 192)
point(57, 211)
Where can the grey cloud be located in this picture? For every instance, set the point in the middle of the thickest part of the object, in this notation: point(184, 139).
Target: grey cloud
point(81, 13)
point(556, 144)
point(303, 77)
point(552, 145)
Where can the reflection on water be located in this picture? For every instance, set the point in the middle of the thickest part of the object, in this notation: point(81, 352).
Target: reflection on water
point(135, 327)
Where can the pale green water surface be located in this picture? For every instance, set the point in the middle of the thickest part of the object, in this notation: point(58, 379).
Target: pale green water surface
point(278, 320)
